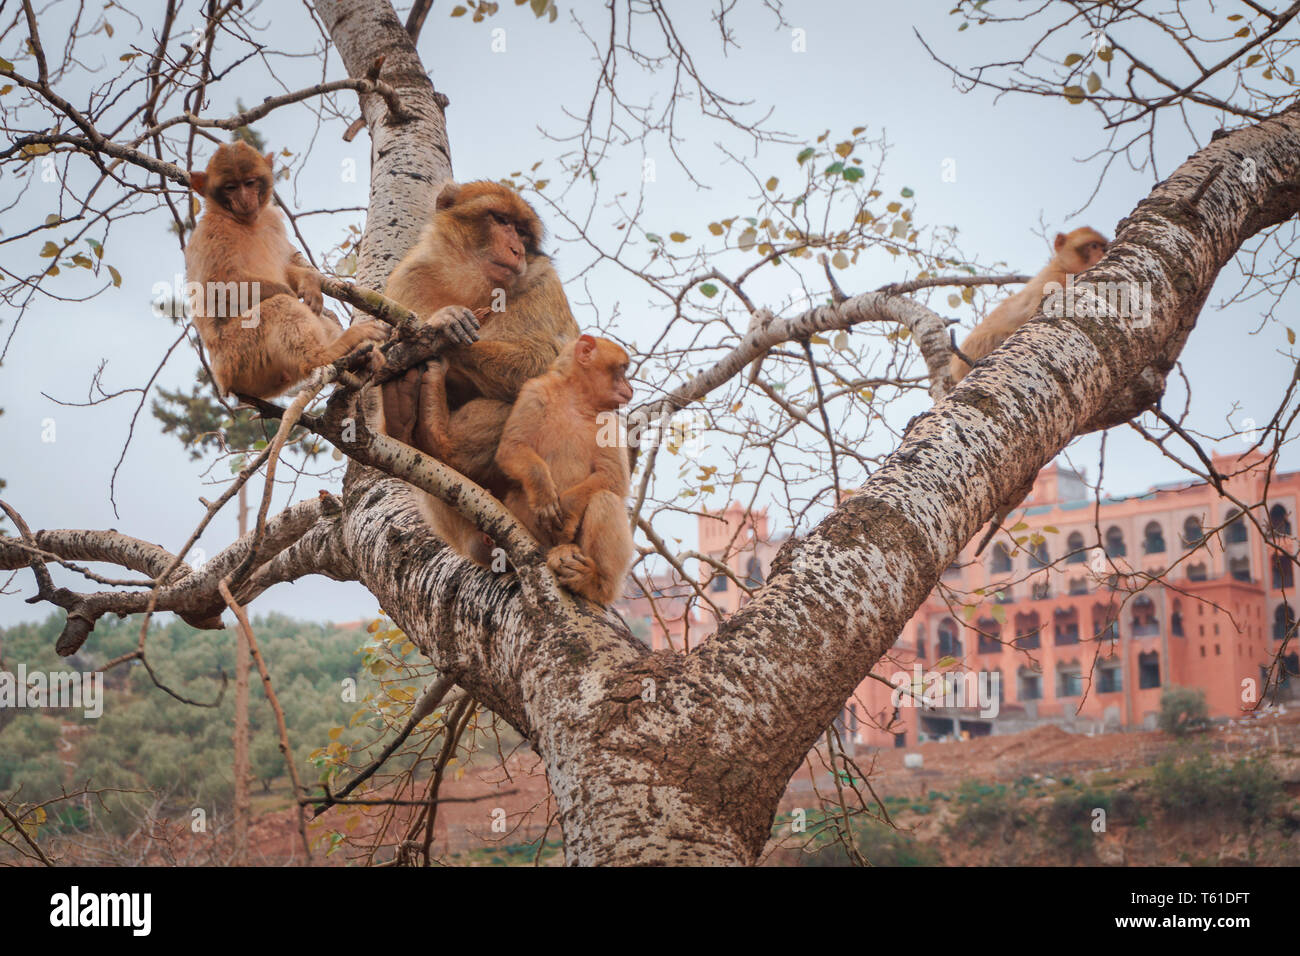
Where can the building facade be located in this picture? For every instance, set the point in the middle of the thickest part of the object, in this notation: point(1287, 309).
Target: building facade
point(1080, 614)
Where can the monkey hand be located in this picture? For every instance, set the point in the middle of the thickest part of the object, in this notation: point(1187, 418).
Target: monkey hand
point(546, 506)
point(310, 292)
point(458, 323)
point(372, 329)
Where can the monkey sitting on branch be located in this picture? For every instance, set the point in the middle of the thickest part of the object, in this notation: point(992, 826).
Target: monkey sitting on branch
point(566, 447)
point(254, 299)
point(1076, 252)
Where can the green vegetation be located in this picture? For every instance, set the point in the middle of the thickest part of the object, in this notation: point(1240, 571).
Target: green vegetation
point(1183, 710)
point(1244, 792)
point(147, 740)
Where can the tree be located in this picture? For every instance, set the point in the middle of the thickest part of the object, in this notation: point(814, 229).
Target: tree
point(682, 758)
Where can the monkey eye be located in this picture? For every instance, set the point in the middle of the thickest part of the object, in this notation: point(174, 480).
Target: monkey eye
point(499, 219)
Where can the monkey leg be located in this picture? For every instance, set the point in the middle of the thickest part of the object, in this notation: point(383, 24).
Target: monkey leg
point(432, 419)
point(596, 565)
point(449, 525)
point(402, 407)
point(473, 433)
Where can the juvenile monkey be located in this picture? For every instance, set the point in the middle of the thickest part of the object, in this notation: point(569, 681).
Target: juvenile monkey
point(572, 472)
point(1074, 252)
point(479, 253)
point(260, 340)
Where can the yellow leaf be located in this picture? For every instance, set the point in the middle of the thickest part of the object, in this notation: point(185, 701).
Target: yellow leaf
point(715, 228)
point(840, 260)
point(678, 236)
point(771, 184)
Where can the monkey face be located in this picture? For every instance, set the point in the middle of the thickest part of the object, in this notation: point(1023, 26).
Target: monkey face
point(1081, 249)
point(505, 257)
point(605, 365)
point(237, 179)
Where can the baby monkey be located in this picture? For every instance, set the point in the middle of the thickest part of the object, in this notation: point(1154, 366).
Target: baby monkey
point(567, 450)
point(254, 298)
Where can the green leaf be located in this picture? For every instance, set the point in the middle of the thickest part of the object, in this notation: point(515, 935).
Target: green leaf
point(708, 290)
point(805, 155)
point(906, 192)
point(653, 238)
point(853, 174)
point(833, 169)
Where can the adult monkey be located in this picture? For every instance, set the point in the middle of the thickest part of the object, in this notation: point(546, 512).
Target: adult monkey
point(479, 254)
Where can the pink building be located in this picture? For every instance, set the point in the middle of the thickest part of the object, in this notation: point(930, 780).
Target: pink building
point(1066, 612)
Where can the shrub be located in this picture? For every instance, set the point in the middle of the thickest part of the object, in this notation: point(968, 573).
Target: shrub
point(1182, 710)
point(1246, 791)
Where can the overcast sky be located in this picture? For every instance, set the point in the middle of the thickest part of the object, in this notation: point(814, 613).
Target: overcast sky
point(1016, 165)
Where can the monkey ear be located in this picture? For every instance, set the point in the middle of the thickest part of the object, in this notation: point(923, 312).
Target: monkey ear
point(270, 160)
point(584, 347)
point(447, 195)
point(1059, 244)
point(199, 182)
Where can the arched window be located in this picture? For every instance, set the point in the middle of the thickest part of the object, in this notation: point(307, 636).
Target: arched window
point(1115, 547)
point(753, 572)
point(1030, 684)
point(949, 645)
point(1105, 621)
point(1027, 628)
point(1001, 563)
point(1144, 617)
point(1283, 621)
point(989, 637)
point(1283, 572)
point(1196, 572)
point(1278, 522)
point(719, 583)
point(1153, 539)
point(1235, 533)
point(1239, 568)
point(1069, 680)
point(920, 640)
point(1192, 532)
point(1078, 585)
point(1067, 626)
point(1176, 620)
point(1148, 670)
point(1038, 555)
point(1110, 679)
point(1077, 553)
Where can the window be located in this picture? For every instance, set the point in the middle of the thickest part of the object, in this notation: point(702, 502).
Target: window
point(1105, 621)
point(1077, 553)
point(1004, 596)
point(1030, 685)
point(1110, 680)
point(1239, 568)
point(1001, 563)
point(1283, 621)
point(1038, 555)
point(949, 645)
point(1283, 572)
point(1176, 620)
point(1115, 547)
point(1196, 572)
point(1144, 617)
point(1069, 681)
point(900, 741)
point(719, 583)
point(920, 640)
point(1278, 522)
point(989, 633)
point(1067, 627)
point(1040, 590)
point(1027, 628)
point(753, 572)
point(1078, 585)
point(1148, 670)
point(1153, 539)
point(1192, 533)
point(1235, 533)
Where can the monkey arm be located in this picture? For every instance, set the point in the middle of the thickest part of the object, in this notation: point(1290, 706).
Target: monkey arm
point(609, 473)
point(496, 367)
point(517, 458)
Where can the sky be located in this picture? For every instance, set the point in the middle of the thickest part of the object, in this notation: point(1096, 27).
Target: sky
point(1017, 162)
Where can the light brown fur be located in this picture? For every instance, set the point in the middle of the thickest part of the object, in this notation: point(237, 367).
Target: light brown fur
point(239, 240)
point(1076, 252)
point(480, 253)
point(573, 480)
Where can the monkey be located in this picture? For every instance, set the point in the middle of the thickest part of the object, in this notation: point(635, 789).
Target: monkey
point(261, 338)
point(572, 473)
point(1078, 251)
point(481, 251)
